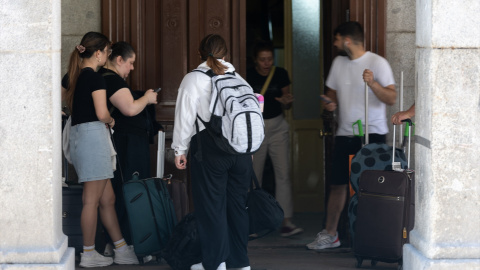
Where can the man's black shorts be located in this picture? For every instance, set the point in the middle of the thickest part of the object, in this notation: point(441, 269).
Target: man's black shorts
point(343, 147)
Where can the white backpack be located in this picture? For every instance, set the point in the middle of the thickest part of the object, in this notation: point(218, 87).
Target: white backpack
point(236, 123)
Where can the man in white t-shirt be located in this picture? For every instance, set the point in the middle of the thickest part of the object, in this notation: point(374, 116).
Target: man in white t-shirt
point(346, 82)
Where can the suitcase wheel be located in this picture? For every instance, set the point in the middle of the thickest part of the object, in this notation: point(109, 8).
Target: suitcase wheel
point(358, 264)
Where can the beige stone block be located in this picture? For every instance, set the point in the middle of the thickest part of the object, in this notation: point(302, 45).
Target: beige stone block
point(68, 45)
point(401, 56)
point(400, 16)
point(80, 17)
point(448, 190)
point(413, 260)
point(447, 24)
point(28, 27)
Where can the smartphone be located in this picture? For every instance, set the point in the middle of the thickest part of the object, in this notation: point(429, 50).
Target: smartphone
point(326, 100)
point(158, 90)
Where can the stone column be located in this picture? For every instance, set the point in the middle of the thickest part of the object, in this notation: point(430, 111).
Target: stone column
point(31, 234)
point(447, 218)
point(400, 54)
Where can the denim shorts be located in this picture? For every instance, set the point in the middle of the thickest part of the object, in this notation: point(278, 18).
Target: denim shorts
point(90, 151)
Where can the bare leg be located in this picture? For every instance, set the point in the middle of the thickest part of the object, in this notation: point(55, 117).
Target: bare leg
point(92, 191)
point(108, 213)
point(336, 202)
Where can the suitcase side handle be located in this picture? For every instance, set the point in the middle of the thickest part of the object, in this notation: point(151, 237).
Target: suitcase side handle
point(396, 166)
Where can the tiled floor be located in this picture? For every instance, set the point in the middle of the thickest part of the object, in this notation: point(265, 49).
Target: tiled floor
point(274, 252)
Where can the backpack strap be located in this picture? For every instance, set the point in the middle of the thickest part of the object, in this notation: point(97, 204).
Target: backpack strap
point(267, 81)
point(212, 74)
point(199, 155)
point(209, 72)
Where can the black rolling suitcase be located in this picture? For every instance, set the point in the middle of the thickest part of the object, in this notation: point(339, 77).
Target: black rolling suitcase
point(71, 212)
point(385, 214)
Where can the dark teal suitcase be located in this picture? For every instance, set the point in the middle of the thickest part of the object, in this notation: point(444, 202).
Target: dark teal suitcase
point(150, 213)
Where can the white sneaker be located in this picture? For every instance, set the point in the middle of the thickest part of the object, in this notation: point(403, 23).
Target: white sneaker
point(94, 260)
point(126, 257)
point(243, 268)
point(324, 240)
point(199, 266)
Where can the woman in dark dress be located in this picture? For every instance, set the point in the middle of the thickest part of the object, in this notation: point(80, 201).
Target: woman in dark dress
point(133, 126)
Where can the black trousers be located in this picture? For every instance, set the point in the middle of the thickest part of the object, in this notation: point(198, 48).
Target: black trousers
point(220, 183)
point(343, 147)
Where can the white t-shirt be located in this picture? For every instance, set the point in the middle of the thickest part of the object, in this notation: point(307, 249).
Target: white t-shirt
point(346, 77)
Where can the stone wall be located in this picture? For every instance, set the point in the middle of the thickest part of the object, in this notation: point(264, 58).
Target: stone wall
point(401, 53)
point(78, 18)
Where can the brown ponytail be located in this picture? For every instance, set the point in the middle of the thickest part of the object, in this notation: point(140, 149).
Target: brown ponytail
point(73, 73)
point(213, 47)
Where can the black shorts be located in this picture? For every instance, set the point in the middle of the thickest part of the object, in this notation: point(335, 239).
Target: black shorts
point(343, 147)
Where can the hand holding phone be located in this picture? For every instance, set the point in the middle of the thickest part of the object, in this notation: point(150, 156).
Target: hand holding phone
point(157, 90)
point(325, 100)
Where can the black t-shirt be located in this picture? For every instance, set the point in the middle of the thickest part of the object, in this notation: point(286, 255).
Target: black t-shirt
point(137, 124)
point(272, 108)
point(114, 83)
point(83, 108)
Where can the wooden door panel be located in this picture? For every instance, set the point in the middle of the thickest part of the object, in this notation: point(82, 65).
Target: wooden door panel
point(308, 174)
point(371, 14)
point(165, 35)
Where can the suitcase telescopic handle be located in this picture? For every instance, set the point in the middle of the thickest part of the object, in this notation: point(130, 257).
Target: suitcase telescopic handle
point(366, 114)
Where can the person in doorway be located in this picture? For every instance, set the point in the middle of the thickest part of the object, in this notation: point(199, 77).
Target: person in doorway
point(277, 97)
point(90, 151)
point(220, 180)
point(346, 82)
point(398, 117)
point(132, 128)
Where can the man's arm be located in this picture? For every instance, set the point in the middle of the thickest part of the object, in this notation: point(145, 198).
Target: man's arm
point(386, 94)
point(399, 116)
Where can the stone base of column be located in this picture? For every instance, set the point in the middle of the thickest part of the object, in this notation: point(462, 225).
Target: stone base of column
point(67, 263)
point(413, 260)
